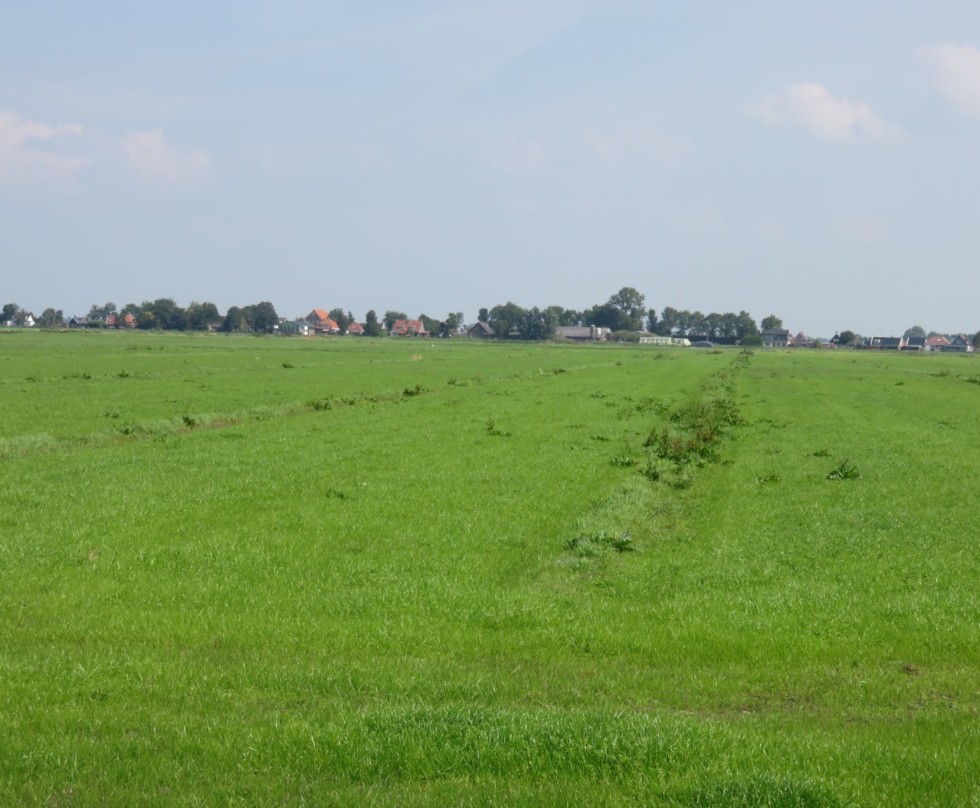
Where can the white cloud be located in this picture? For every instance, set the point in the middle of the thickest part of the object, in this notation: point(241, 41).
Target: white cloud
point(155, 161)
point(955, 70)
point(814, 108)
point(20, 159)
point(866, 230)
point(630, 145)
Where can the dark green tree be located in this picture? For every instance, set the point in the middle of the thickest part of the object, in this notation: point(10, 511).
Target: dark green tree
point(669, 321)
point(372, 327)
point(505, 317)
point(915, 331)
point(261, 317)
point(745, 326)
point(454, 321)
point(630, 303)
point(201, 316)
point(430, 324)
point(9, 312)
point(483, 316)
point(771, 322)
point(234, 321)
point(537, 325)
point(340, 318)
point(51, 318)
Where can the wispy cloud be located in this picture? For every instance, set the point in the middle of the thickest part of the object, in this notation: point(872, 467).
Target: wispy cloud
point(156, 161)
point(814, 108)
point(22, 162)
point(955, 71)
point(636, 144)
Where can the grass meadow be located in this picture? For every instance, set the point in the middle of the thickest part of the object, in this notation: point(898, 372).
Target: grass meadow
point(336, 571)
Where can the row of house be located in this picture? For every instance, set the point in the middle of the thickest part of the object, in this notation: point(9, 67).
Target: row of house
point(956, 343)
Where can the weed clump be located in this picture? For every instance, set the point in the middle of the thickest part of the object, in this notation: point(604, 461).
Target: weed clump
point(491, 427)
point(593, 545)
point(408, 392)
point(623, 461)
point(845, 470)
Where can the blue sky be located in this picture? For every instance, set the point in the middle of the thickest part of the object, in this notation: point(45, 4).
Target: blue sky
point(821, 163)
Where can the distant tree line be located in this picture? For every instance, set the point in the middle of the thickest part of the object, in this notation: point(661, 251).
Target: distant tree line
point(625, 313)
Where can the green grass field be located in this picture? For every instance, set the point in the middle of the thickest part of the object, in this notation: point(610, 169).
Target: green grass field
point(254, 571)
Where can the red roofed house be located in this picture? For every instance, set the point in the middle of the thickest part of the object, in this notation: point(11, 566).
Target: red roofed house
point(408, 328)
point(356, 329)
point(322, 323)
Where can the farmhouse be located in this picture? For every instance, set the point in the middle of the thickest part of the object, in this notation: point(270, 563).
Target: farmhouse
point(775, 337)
point(408, 328)
point(958, 343)
point(292, 328)
point(885, 343)
point(480, 330)
point(355, 329)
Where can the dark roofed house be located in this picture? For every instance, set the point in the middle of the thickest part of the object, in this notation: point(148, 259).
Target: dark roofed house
point(294, 328)
point(886, 343)
point(958, 343)
point(775, 337)
point(480, 330)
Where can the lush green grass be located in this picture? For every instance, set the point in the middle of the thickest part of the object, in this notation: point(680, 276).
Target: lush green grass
point(255, 571)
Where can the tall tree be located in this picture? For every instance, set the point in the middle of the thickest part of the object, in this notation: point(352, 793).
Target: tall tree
point(262, 317)
point(483, 316)
point(454, 321)
point(430, 324)
point(372, 327)
point(745, 326)
point(505, 317)
point(669, 321)
point(51, 318)
point(9, 312)
point(340, 318)
point(537, 325)
point(234, 320)
point(201, 316)
point(652, 323)
point(772, 322)
point(630, 304)
point(915, 331)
